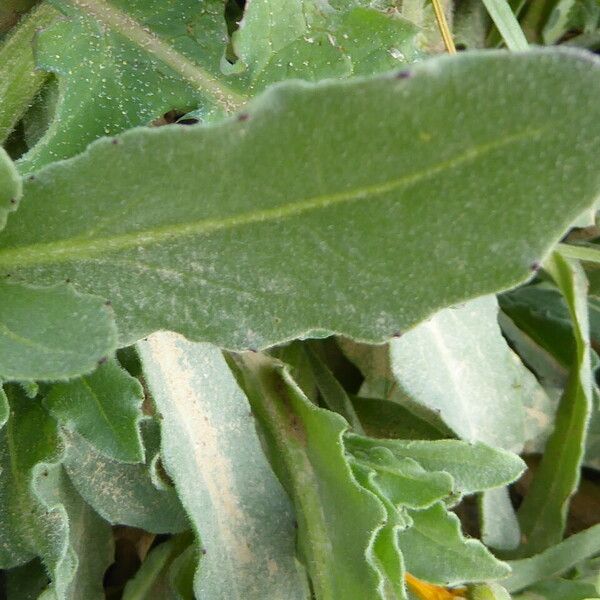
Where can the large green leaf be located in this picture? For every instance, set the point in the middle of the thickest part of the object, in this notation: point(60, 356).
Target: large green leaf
point(417, 161)
point(236, 505)
point(103, 407)
point(338, 520)
point(125, 494)
point(543, 513)
point(10, 187)
point(52, 333)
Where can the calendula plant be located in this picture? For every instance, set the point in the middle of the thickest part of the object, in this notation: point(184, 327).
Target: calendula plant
point(299, 302)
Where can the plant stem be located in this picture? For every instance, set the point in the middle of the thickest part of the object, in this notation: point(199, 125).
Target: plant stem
point(440, 17)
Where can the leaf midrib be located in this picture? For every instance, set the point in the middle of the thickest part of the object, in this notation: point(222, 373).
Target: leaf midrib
point(81, 248)
point(149, 42)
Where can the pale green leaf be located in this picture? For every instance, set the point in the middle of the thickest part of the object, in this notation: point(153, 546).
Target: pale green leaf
point(474, 467)
point(52, 333)
point(555, 560)
point(499, 524)
point(458, 365)
point(507, 24)
point(337, 518)
point(560, 589)
point(121, 64)
point(104, 408)
point(367, 220)
point(543, 512)
point(435, 550)
point(10, 187)
point(489, 591)
point(236, 505)
point(20, 81)
point(123, 493)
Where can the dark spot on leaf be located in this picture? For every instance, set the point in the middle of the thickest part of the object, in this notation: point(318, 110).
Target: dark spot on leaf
point(13, 200)
point(115, 141)
point(45, 473)
point(31, 178)
point(397, 334)
point(535, 266)
point(190, 121)
point(108, 303)
point(103, 360)
point(252, 350)
point(243, 117)
point(403, 74)
point(67, 280)
point(295, 524)
point(203, 550)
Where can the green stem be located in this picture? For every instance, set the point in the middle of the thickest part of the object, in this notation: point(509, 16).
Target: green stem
point(20, 81)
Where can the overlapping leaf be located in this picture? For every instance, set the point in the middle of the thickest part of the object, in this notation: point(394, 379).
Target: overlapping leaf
point(52, 333)
point(236, 505)
point(10, 187)
point(412, 171)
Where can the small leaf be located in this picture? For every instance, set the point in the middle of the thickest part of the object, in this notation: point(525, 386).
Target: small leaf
point(543, 512)
point(499, 524)
point(104, 408)
point(123, 493)
point(236, 505)
point(52, 333)
point(10, 187)
point(474, 467)
point(402, 181)
point(435, 550)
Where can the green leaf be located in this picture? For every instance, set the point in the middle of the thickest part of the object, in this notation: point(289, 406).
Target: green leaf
point(104, 408)
point(40, 512)
point(236, 505)
point(4, 407)
point(435, 550)
point(10, 187)
point(458, 365)
point(560, 589)
point(402, 480)
point(105, 226)
point(123, 493)
point(52, 333)
point(543, 512)
point(474, 467)
point(152, 578)
point(489, 591)
point(507, 24)
point(312, 40)
point(555, 560)
point(125, 64)
point(20, 81)
point(499, 525)
point(337, 518)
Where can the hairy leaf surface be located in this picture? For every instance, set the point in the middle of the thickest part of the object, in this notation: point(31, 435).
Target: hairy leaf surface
point(236, 505)
point(10, 187)
point(119, 223)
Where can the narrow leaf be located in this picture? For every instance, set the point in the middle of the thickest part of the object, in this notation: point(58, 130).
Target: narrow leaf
point(236, 505)
point(52, 333)
point(400, 185)
point(555, 560)
point(543, 513)
point(499, 524)
point(337, 518)
point(104, 408)
point(507, 24)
